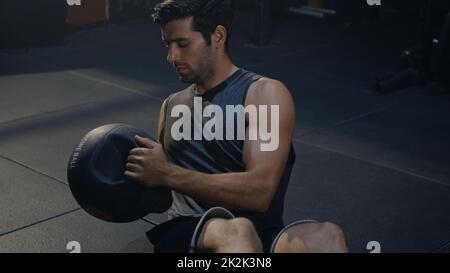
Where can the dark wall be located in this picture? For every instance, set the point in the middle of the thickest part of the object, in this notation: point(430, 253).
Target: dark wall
point(275, 7)
point(32, 22)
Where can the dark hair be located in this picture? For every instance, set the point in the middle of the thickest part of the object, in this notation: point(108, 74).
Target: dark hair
point(207, 15)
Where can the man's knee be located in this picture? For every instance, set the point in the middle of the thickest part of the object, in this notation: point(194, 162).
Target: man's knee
point(237, 233)
point(229, 229)
point(332, 233)
point(312, 237)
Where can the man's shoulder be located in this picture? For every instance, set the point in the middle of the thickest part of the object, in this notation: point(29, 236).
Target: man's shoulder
point(185, 93)
point(266, 86)
point(266, 82)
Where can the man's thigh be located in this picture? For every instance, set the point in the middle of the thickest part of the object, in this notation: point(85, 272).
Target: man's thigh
point(180, 235)
point(173, 236)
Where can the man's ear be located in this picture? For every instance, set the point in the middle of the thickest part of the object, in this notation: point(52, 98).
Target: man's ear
point(219, 37)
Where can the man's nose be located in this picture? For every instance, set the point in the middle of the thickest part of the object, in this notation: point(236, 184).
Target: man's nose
point(172, 55)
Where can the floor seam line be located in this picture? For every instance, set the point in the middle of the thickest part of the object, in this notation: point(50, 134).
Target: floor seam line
point(349, 120)
point(33, 169)
point(119, 86)
point(435, 181)
point(37, 115)
point(39, 222)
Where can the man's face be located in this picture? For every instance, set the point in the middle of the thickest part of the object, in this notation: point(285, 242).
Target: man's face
point(187, 51)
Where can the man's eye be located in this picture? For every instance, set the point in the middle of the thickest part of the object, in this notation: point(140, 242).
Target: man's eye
point(183, 45)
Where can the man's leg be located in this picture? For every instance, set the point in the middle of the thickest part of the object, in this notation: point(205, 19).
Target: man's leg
point(312, 237)
point(236, 235)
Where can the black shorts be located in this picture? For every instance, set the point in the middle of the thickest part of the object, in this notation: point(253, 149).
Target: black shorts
point(176, 235)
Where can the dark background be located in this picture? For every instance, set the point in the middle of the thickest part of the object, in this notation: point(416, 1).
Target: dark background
point(376, 163)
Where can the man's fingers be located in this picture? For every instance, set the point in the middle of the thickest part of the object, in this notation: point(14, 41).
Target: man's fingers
point(145, 142)
point(131, 175)
point(138, 151)
point(134, 159)
point(133, 167)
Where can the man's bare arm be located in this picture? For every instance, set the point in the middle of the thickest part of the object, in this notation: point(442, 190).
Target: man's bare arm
point(255, 188)
point(160, 136)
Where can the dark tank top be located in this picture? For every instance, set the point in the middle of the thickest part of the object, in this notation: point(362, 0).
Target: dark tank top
point(217, 156)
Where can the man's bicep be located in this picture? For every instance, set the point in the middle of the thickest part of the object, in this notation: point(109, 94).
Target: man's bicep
point(269, 164)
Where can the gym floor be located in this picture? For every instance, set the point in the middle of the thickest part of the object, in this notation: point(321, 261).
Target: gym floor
point(376, 165)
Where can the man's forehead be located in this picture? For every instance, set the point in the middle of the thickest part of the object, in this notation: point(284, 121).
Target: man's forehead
point(178, 28)
point(171, 37)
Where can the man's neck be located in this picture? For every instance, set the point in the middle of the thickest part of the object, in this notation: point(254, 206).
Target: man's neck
point(220, 75)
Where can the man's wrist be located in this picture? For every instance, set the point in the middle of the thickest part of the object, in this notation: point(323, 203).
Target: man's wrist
point(167, 178)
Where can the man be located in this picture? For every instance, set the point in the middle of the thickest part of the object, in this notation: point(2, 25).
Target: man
point(228, 191)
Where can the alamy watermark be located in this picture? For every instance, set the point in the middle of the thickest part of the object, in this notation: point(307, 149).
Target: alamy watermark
point(373, 2)
point(74, 247)
point(189, 126)
point(73, 2)
point(374, 247)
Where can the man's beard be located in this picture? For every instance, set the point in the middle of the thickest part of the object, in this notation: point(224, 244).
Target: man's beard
point(203, 72)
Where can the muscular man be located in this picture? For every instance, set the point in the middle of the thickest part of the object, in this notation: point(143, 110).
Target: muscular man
point(228, 192)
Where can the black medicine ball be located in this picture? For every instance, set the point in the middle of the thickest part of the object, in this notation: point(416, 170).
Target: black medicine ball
point(96, 177)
